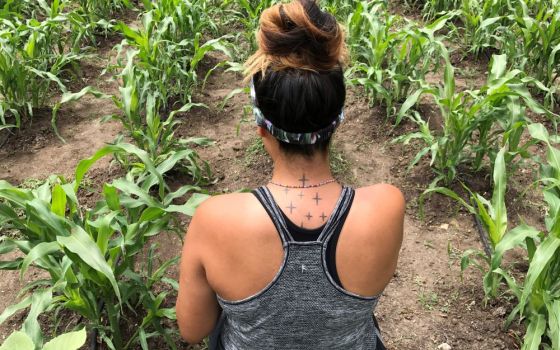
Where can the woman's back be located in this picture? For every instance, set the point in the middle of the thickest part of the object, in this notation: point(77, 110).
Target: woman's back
point(278, 293)
point(250, 255)
point(244, 252)
point(303, 307)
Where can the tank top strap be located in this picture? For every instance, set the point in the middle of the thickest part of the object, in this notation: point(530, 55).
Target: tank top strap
point(338, 217)
point(267, 200)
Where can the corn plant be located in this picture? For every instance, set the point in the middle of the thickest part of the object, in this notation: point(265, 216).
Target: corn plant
point(91, 255)
point(389, 61)
point(539, 294)
point(19, 8)
point(432, 8)
point(143, 122)
point(538, 47)
point(492, 215)
point(103, 8)
point(487, 25)
point(33, 57)
point(247, 12)
point(169, 49)
point(340, 8)
point(475, 123)
point(186, 17)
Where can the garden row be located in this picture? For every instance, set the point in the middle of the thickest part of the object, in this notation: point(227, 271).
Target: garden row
point(495, 126)
point(100, 261)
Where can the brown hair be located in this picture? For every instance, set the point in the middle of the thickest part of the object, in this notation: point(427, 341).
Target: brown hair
point(298, 71)
point(297, 35)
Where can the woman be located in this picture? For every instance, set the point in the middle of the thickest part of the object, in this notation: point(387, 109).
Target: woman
point(301, 262)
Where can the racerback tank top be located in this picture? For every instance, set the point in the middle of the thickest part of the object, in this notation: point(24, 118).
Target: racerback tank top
point(302, 307)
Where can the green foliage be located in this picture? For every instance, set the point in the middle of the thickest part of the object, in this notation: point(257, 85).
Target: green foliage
point(493, 216)
point(538, 295)
point(391, 55)
point(35, 54)
point(526, 31)
point(247, 12)
point(103, 8)
point(91, 254)
point(538, 46)
point(485, 25)
point(476, 123)
point(168, 48)
point(143, 122)
point(432, 8)
point(341, 9)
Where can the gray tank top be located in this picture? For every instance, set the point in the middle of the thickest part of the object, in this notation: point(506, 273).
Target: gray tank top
point(302, 307)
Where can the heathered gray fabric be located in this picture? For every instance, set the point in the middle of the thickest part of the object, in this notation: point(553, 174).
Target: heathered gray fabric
point(302, 308)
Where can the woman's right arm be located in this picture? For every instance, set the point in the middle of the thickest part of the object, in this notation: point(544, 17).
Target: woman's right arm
point(197, 308)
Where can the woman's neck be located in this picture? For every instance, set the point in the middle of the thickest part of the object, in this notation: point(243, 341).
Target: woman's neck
point(300, 171)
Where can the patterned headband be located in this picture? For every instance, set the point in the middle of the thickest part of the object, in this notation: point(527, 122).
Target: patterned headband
point(308, 138)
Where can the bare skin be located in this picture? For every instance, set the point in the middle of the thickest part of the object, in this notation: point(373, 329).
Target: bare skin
point(232, 248)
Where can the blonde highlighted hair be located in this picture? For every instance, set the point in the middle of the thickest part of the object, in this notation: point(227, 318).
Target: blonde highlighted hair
point(297, 35)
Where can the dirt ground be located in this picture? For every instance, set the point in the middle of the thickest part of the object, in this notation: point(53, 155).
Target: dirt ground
point(425, 305)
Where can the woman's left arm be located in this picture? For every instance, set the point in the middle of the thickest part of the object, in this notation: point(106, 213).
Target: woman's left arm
point(197, 307)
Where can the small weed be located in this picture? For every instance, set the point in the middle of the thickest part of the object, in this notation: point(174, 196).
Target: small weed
point(429, 244)
point(254, 152)
point(419, 281)
point(428, 300)
point(453, 253)
point(88, 184)
point(340, 165)
point(31, 184)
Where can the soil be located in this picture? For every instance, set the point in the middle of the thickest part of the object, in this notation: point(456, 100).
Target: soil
point(427, 303)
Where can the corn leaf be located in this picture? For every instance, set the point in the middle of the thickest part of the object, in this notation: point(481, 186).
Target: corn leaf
point(12, 309)
point(58, 201)
point(535, 331)
point(82, 245)
point(67, 341)
point(545, 252)
point(498, 196)
point(18, 340)
point(40, 301)
point(553, 309)
point(190, 206)
point(39, 251)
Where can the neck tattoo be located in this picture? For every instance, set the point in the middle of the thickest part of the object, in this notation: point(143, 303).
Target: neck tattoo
point(303, 180)
point(317, 198)
point(304, 184)
point(291, 207)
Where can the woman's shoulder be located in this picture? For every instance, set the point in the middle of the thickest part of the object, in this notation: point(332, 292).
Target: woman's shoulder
point(223, 213)
point(220, 217)
point(379, 210)
point(389, 195)
point(224, 205)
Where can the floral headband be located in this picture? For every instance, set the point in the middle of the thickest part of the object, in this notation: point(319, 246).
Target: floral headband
point(308, 138)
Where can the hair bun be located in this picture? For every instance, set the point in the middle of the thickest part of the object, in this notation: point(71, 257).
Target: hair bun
point(298, 35)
